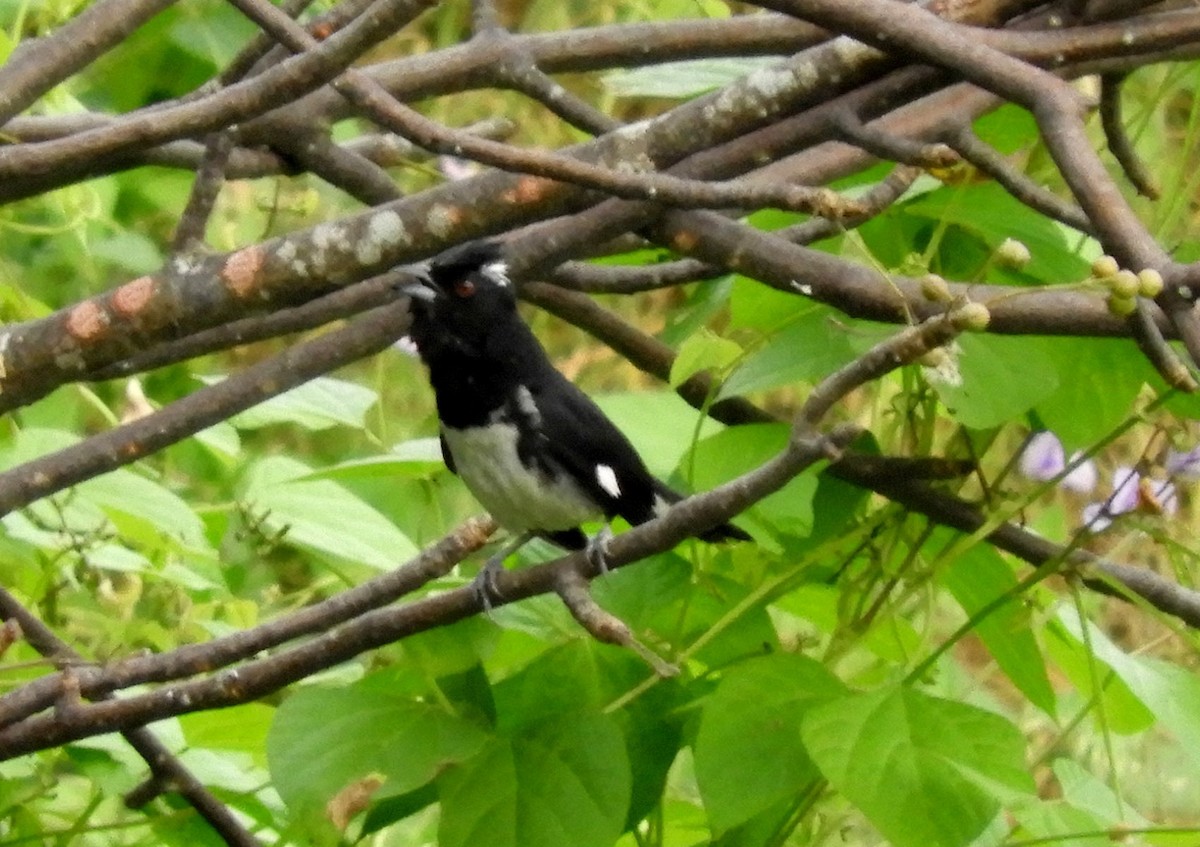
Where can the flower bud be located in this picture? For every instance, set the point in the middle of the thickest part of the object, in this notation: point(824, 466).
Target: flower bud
point(1012, 254)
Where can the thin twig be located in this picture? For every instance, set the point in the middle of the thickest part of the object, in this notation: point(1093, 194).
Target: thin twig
point(1119, 142)
point(210, 175)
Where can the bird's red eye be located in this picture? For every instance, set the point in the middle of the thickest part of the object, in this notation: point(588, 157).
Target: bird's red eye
point(464, 288)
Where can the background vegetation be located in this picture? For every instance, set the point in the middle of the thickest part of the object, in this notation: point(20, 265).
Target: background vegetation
point(870, 286)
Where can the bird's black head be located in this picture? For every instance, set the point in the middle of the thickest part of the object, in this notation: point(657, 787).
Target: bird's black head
point(466, 299)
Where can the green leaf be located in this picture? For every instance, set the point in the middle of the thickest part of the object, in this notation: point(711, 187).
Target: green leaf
point(222, 439)
point(750, 633)
point(1008, 128)
point(733, 451)
point(659, 423)
point(976, 578)
point(242, 728)
point(321, 515)
point(143, 507)
point(562, 782)
point(1144, 689)
point(806, 350)
point(988, 212)
point(453, 649)
point(114, 557)
point(1058, 823)
point(654, 738)
point(1172, 693)
point(561, 680)
point(211, 35)
point(1083, 790)
point(983, 393)
point(387, 808)
point(1099, 380)
point(703, 350)
point(704, 302)
point(318, 404)
point(418, 458)
point(1124, 710)
point(648, 594)
point(131, 251)
point(325, 739)
point(748, 751)
point(926, 772)
point(683, 79)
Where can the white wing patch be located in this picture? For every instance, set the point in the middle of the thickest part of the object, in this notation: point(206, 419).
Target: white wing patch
point(497, 272)
point(527, 406)
point(607, 478)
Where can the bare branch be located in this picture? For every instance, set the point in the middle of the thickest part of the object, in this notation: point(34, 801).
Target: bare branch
point(36, 67)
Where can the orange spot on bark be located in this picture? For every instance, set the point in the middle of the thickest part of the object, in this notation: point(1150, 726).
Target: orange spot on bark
point(685, 241)
point(453, 215)
point(86, 321)
point(133, 296)
point(240, 273)
point(529, 189)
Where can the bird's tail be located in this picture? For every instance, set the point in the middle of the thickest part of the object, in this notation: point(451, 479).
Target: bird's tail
point(719, 533)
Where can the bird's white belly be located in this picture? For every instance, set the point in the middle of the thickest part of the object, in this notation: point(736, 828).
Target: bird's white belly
point(519, 498)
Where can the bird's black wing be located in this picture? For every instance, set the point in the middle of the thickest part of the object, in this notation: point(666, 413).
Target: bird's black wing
point(573, 434)
point(447, 456)
point(578, 437)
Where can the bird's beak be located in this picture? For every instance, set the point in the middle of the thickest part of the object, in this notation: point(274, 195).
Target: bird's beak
point(421, 288)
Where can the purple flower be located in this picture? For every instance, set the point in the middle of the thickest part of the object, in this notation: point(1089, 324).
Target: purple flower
point(1126, 481)
point(1129, 493)
point(1044, 459)
point(1095, 518)
point(1184, 464)
point(1083, 477)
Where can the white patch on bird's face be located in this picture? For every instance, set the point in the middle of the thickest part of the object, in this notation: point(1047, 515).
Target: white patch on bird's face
point(497, 272)
point(607, 478)
point(520, 498)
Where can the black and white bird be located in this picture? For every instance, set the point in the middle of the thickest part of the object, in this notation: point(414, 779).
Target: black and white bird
point(534, 450)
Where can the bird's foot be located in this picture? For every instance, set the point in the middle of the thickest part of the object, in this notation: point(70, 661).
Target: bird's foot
point(484, 585)
point(597, 549)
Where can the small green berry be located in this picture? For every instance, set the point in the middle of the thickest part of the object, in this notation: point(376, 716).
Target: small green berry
point(934, 358)
point(972, 317)
point(1151, 282)
point(1105, 267)
point(934, 288)
point(1124, 283)
point(1120, 306)
point(1012, 254)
